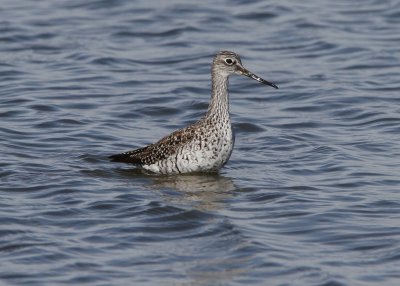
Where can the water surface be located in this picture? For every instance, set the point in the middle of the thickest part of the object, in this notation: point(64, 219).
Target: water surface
point(309, 197)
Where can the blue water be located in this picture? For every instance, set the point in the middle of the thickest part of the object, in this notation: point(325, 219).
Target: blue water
point(311, 195)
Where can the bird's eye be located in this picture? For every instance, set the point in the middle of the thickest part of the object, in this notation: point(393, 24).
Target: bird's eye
point(229, 61)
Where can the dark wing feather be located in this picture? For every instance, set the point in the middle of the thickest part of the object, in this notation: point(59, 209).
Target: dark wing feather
point(132, 157)
point(167, 146)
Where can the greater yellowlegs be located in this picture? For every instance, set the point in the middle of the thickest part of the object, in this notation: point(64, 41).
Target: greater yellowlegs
point(204, 146)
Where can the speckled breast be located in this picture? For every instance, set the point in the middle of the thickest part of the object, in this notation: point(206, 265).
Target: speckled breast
point(209, 151)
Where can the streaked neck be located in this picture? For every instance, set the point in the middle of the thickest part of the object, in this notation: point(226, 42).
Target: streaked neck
point(219, 103)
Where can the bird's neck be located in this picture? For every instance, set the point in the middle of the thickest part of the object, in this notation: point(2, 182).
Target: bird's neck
point(219, 104)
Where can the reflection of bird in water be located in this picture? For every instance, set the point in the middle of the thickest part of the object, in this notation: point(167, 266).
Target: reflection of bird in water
point(203, 191)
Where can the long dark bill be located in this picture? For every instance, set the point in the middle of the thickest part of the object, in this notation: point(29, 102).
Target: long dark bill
point(257, 78)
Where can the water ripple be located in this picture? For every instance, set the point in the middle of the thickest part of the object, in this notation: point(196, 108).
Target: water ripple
point(311, 189)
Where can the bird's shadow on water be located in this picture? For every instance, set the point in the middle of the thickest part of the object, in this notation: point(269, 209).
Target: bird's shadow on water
point(203, 191)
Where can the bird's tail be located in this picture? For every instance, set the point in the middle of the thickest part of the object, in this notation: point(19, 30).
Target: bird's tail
point(124, 158)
